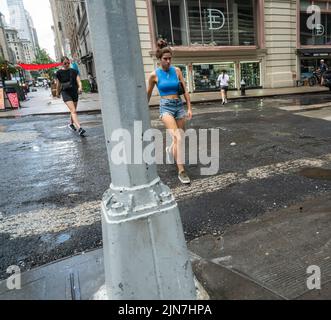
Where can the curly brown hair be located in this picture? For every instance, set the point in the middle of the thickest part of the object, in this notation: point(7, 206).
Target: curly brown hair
point(162, 48)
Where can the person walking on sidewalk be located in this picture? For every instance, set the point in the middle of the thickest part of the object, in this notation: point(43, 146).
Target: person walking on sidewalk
point(323, 67)
point(223, 81)
point(70, 86)
point(167, 79)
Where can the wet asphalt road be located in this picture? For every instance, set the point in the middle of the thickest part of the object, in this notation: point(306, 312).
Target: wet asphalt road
point(52, 180)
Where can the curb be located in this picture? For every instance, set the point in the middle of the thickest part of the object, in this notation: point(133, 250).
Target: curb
point(156, 105)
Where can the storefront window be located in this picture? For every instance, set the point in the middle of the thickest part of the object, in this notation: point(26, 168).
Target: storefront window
point(205, 76)
point(205, 22)
point(315, 31)
point(250, 73)
point(183, 69)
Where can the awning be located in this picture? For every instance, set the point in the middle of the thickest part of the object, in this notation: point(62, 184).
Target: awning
point(315, 52)
point(30, 67)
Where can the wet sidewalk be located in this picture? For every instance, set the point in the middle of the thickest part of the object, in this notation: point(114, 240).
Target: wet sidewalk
point(41, 103)
point(262, 259)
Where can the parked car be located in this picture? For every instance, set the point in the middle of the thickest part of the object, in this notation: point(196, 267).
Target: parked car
point(327, 79)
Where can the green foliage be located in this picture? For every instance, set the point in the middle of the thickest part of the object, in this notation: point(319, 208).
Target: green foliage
point(6, 69)
point(42, 57)
point(86, 86)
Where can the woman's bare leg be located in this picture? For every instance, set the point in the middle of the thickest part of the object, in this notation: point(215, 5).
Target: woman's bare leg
point(74, 117)
point(171, 125)
point(223, 95)
point(75, 104)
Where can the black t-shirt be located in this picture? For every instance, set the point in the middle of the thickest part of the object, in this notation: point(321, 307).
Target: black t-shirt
point(68, 75)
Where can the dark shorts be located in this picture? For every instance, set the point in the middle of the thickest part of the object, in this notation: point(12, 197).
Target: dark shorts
point(225, 88)
point(69, 96)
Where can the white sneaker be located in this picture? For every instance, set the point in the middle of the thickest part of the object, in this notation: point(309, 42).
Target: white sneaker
point(184, 178)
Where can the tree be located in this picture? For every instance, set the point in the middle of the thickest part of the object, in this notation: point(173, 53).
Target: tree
point(6, 69)
point(42, 57)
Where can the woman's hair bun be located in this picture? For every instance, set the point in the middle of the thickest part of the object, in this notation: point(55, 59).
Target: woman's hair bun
point(162, 44)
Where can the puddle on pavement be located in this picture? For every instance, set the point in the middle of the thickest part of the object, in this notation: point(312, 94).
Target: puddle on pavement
point(15, 136)
point(62, 238)
point(281, 134)
point(91, 123)
point(55, 240)
point(316, 173)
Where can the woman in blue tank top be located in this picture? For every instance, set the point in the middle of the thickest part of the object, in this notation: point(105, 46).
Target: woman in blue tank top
point(172, 112)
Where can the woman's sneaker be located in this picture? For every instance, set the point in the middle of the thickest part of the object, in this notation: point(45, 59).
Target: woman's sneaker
point(184, 178)
point(72, 127)
point(81, 132)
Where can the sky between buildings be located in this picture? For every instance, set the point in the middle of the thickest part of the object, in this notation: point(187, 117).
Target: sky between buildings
point(40, 11)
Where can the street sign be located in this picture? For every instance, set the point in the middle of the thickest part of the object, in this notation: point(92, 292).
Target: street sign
point(13, 98)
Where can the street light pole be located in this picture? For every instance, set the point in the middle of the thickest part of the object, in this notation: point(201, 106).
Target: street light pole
point(145, 251)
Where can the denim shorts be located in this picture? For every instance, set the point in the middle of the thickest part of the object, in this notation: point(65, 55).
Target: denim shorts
point(173, 107)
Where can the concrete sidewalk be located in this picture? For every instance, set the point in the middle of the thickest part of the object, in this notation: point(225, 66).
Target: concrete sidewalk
point(40, 103)
point(263, 259)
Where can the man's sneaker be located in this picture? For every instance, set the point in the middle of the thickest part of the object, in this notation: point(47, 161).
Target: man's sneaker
point(81, 132)
point(170, 156)
point(184, 178)
point(72, 127)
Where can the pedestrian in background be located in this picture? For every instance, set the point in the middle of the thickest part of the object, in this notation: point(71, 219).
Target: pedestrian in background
point(167, 79)
point(322, 68)
point(70, 86)
point(223, 81)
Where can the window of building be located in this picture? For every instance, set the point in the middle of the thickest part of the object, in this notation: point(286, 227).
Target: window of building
point(315, 22)
point(205, 75)
point(212, 22)
point(250, 72)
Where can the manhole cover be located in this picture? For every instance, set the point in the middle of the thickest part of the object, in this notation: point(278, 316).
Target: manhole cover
point(316, 173)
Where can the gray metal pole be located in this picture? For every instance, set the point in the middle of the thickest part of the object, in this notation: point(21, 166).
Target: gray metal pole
point(144, 246)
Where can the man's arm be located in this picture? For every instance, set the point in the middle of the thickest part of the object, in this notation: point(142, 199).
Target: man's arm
point(79, 83)
point(58, 88)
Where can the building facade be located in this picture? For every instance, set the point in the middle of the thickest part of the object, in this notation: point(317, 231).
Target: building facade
point(15, 44)
point(266, 43)
point(58, 30)
point(85, 52)
point(22, 22)
point(314, 34)
point(4, 47)
point(32, 32)
point(72, 34)
point(254, 40)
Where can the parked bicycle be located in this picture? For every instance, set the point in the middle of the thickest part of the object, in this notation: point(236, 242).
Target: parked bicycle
point(315, 78)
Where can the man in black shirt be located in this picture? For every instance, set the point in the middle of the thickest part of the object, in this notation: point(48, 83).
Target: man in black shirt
point(70, 86)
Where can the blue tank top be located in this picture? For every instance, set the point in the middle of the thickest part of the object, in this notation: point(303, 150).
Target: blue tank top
point(167, 81)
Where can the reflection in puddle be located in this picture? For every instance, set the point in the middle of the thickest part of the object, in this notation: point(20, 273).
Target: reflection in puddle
point(316, 173)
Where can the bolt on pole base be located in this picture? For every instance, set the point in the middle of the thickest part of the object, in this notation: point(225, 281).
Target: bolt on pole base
point(146, 250)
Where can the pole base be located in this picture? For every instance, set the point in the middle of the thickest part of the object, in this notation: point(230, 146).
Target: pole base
point(145, 251)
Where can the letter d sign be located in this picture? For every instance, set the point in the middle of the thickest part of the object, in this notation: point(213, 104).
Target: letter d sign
point(14, 281)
